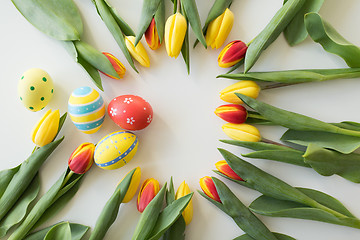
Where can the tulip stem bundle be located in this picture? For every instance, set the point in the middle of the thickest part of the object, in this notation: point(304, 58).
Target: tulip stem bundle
point(51, 202)
point(282, 200)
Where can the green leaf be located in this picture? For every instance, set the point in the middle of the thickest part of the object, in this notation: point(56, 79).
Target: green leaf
point(58, 19)
point(110, 211)
point(23, 177)
point(19, 210)
point(327, 162)
point(278, 236)
point(348, 125)
point(149, 8)
point(242, 216)
point(107, 216)
point(59, 232)
point(295, 32)
point(272, 30)
point(293, 120)
point(185, 48)
point(296, 76)
point(236, 66)
point(125, 28)
point(107, 15)
point(169, 216)
point(217, 204)
point(170, 193)
point(323, 33)
point(93, 72)
point(160, 20)
point(269, 206)
point(95, 58)
point(192, 14)
point(342, 143)
point(5, 178)
point(77, 232)
point(176, 231)
point(149, 216)
point(271, 152)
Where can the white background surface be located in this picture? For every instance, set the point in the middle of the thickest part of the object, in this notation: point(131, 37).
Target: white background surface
point(183, 137)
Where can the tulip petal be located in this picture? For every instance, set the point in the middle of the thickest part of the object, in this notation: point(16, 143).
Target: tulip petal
point(138, 53)
point(134, 184)
point(213, 30)
point(151, 36)
point(47, 129)
point(184, 190)
point(225, 29)
point(232, 113)
point(242, 132)
point(148, 191)
point(232, 53)
point(225, 169)
point(248, 88)
point(208, 186)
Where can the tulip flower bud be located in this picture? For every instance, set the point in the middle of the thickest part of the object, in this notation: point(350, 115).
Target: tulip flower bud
point(225, 169)
point(232, 53)
point(46, 129)
point(134, 184)
point(208, 187)
point(175, 31)
point(117, 65)
point(147, 192)
point(138, 53)
point(232, 113)
point(152, 36)
point(242, 132)
point(247, 88)
point(81, 159)
point(219, 29)
point(184, 190)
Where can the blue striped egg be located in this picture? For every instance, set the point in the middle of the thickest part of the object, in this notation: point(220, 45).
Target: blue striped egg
point(86, 109)
point(115, 150)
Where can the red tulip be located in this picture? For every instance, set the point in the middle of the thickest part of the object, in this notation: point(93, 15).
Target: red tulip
point(152, 36)
point(81, 159)
point(147, 192)
point(232, 113)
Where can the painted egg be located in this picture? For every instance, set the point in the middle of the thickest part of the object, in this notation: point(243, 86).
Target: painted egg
point(35, 89)
point(115, 150)
point(86, 109)
point(130, 112)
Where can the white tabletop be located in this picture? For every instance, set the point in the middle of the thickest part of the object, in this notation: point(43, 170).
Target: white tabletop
point(183, 138)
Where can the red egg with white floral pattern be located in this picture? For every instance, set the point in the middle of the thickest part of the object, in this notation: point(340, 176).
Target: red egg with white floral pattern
point(130, 112)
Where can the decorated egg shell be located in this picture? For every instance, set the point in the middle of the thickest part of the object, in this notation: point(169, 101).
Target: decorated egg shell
point(115, 150)
point(86, 109)
point(130, 112)
point(35, 89)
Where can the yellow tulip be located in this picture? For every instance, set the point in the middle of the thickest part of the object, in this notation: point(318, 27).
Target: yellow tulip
point(175, 31)
point(248, 88)
point(219, 29)
point(138, 53)
point(46, 129)
point(184, 190)
point(242, 132)
point(134, 185)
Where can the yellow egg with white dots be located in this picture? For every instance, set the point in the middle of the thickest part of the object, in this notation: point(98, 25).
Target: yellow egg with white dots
point(35, 89)
point(115, 150)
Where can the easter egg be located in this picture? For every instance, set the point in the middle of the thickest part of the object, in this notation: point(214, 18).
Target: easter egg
point(86, 109)
point(115, 150)
point(130, 112)
point(35, 89)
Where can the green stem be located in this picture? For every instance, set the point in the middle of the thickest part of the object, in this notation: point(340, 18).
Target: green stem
point(67, 178)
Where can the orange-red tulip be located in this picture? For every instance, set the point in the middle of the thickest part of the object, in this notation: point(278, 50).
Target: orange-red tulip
point(152, 36)
point(117, 65)
point(147, 192)
point(225, 169)
point(81, 159)
point(232, 113)
point(208, 187)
